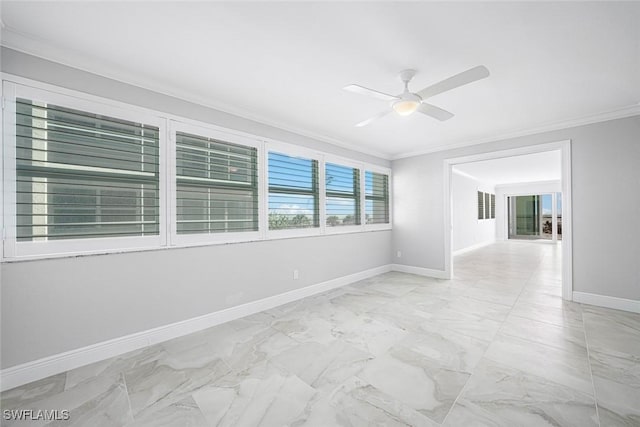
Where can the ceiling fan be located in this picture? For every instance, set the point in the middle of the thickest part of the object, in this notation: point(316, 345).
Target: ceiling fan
point(408, 102)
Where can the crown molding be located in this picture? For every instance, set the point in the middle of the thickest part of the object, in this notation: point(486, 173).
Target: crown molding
point(466, 175)
point(35, 46)
point(618, 113)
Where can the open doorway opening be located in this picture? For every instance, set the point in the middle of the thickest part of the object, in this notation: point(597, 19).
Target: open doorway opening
point(516, 207)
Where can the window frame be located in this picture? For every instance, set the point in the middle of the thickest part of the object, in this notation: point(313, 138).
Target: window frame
point(341, 161)
point(69, 247)
point(480, 205)
point(487, 205)
point(207, 132)
point(387, 172)
point(492, 207)
point(293, 151)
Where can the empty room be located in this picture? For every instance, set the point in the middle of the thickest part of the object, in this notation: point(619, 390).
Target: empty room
point(339, 213)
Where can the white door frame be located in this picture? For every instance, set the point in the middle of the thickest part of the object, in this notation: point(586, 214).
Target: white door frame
point(567, 234)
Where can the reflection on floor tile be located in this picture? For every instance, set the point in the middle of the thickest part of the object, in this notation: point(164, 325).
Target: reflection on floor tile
point(567, 367)
point(100, 401)
point(495, 346)
point(263, 396)
point(184, 413)
point(563, 337)
point(33, 392)
point(498, 395)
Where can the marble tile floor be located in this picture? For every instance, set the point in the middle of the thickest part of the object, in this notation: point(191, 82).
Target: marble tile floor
point(495, 346)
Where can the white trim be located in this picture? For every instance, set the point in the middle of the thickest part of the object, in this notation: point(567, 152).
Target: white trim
point(341, 162)
point(17, 41)
point(617, 113)
point(32, 371)
point(447, 203)
point(567, 236)
point(9, 165)
point(303, 153)
point(466, 175)
point(3, 135)
point(421, 271)
point(363, 198)
point(473, 247)
point(567, 222)
point(205, 131)
point(607, 301)
point(71, 247)
point(507, 188)
point(175, 92)
point(383, 171)
point(322, 195)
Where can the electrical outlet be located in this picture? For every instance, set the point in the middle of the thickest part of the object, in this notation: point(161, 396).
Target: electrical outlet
point(295, 274)
point(399, 254)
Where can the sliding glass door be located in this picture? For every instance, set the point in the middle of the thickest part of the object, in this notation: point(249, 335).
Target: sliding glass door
point(537, 216)
point(524, 217)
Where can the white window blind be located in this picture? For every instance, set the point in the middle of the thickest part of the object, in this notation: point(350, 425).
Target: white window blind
point(82, 175)
point(342, 186)
point(216, 186)
point(293, 192)
point(376, 198)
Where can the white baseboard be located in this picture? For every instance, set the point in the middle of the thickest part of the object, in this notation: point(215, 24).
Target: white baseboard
point(32, 371)
point(473, 247)
point(607, 301)
point(437, 274)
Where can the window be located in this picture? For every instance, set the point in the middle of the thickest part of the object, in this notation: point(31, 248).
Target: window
point(376, 198)
point(480, 205)
point(493, 206)
point(216, 186)
point(84, 174)
point(342, 186)
point(81, 175)
point(487, 206)
point(293, 192)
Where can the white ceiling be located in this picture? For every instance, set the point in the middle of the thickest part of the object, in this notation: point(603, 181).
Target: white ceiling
point(285, 63)
point(536, 167)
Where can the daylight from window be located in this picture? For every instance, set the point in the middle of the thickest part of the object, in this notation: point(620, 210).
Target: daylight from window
point(293, 192)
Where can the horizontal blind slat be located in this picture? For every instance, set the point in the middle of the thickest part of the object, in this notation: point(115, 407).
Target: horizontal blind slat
point(83, 175)
point(342, 192)
point(216, 186)
point(376, 198)
point(293, 192)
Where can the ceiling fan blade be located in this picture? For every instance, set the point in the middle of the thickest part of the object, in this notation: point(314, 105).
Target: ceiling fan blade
point(369, 92)
point(435, 112)
point(466, 77)
point(376, 117)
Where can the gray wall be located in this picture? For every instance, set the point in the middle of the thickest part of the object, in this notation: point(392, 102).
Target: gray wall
point(468, 230)
point(39, 69)
point(56, 305)
point(606, 204)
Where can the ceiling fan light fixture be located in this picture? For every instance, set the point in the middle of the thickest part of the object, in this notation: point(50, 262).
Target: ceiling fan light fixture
point(404, 107)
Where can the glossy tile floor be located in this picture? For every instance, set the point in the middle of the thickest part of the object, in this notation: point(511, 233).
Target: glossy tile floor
point(496, 346)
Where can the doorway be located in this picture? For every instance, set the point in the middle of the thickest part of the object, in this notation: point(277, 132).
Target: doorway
point(562, 221)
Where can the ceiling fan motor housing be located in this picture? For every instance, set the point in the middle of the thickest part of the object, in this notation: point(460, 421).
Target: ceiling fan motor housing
point(407, 75)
